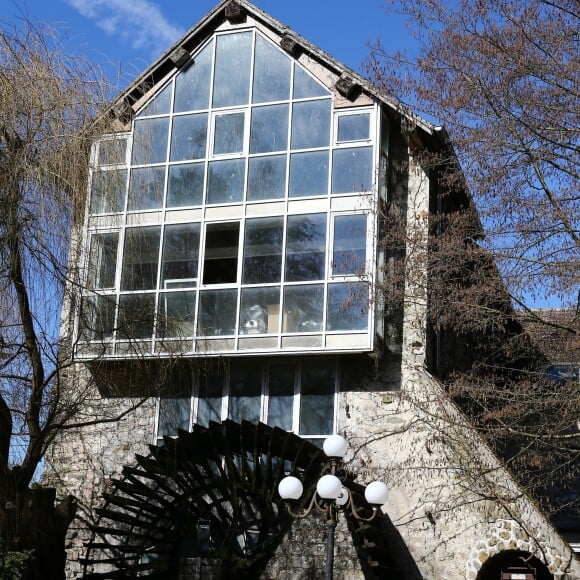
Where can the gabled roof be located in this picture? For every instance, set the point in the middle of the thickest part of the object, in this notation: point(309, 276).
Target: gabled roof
point(235, 11)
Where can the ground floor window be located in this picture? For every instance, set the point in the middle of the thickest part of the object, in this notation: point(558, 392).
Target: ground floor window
point(298, 396)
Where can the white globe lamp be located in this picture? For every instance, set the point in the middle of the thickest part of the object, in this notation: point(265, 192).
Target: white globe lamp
point(335, 446)
point(376, 493)
point(290, 488)
point(329, 487)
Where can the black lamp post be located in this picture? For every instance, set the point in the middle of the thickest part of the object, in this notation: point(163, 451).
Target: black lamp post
point(331, 495)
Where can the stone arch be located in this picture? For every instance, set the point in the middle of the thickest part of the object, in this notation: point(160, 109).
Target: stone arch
point(514, 561)
point(508, 539)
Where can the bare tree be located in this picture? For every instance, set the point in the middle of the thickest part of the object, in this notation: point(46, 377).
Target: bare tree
point(502, 77)
point(48, 105)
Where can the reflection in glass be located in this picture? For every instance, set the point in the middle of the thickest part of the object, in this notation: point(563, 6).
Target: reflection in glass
point(266, 177)
point(269, 129)
point(180, 255)
point(150, 141)
point(354, 127)
point(263, 250)
point(260, 311)
point(311, 124)
point(231, 83)
point(245, 392)
point(209, 407)
point(271, 73)
point(176, 314)
point(97, 317)
point(317, 397)
point(306, 247)
point(140, 258)
point(112, 151)
point(108, 191)
point(193, 82)
point(185, 186)
point(159, 105)
point(281, 396)
point(308, 174)
point(352, 170)
point(305, 86)
point(173, 415)
point(146, 188)
point(188, 137)
point(303, 308)
point(135, 316)
point(228, 133)
point(348, 306)
point(103, 260)
point(217, 312)
point(226, 181)
point(350, 239)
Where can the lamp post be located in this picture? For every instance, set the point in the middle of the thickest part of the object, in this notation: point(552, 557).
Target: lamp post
point(331, 495)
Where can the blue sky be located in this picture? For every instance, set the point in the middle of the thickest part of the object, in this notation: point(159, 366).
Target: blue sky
point(128, 35)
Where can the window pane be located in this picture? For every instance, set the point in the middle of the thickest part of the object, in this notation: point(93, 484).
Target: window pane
point(150, 141)
point(271, 73)
point(348, 306)
point(231, 84)
point(350, 238)
point(269, 129)
point(266, 177)
point(226, 181)
point(354, 127)
point(311, 124)
point(103, 260)
point(146, 188)
point(180, 256)
point(317, 398)
point(308, 174)
point(303, 306)
point(263, 250)
point(209, 406)
point(97, 317)
point(185, 185)
point(217, 313)
point(221, 253)
point(260, 311)
point(245, 392)
point(281, 396)
point(140, 258)
point(192, 84)
point(136, 316)
point(352, 170)
point(176, 314)
point(159, 105)
point(112, 151)
point(228, 133)
point(108, 191)
point(306, 247)
point(188, 137)
point(305, 86)
point(173, 415)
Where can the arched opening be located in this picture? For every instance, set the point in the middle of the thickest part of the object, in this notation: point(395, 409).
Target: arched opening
point(514, 565)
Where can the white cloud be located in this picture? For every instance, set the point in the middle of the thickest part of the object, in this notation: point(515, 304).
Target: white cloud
point(140, 22)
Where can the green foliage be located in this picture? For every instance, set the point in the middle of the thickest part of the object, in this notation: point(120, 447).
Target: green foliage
point(13, 564)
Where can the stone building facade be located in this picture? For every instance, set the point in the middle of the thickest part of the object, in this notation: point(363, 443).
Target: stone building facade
point(231, 262)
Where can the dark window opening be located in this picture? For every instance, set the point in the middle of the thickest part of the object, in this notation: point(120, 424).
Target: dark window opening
point(220, 265)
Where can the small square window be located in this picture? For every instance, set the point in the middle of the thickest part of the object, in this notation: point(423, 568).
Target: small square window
point(228, 133)
point(353, 127)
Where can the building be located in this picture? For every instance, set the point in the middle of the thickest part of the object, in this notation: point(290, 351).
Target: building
point(232, 263)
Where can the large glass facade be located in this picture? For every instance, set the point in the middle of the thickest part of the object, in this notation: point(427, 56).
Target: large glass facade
point(239, 206)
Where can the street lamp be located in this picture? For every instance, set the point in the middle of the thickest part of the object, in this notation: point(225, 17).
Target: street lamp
point(331, 495)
